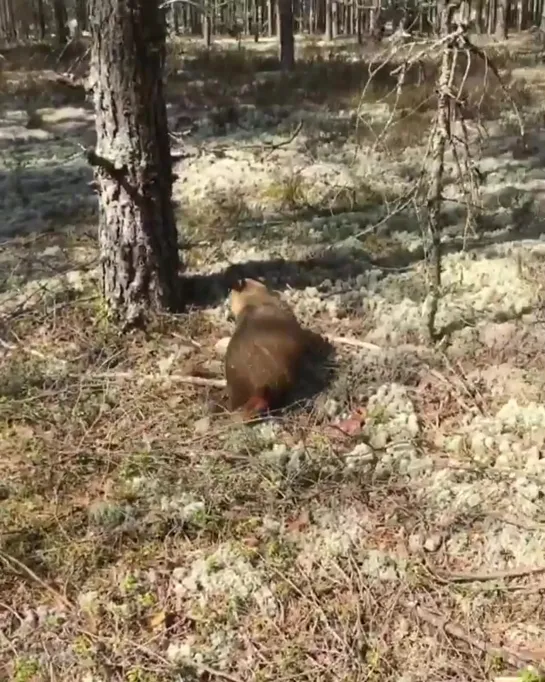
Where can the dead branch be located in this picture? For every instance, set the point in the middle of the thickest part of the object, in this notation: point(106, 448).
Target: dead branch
point(446, 577)
point(13, 563)
point(467, 44)
point(352, 342)
point(134, 376)
point(266, 147)
point(440, 135)
point(513, 658)
point(31, 351)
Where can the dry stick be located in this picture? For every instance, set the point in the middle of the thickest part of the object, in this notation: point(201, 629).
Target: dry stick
point(440, 136)
point(12, 562)
point(31, 351)
point(346, 341)
point(177, 378)
point(157, 656)
point(447, 577)
point(514, 658)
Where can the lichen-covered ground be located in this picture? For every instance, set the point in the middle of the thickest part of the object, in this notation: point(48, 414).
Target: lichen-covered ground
point(393, 528)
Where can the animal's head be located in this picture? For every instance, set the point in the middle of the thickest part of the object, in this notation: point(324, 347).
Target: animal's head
point(247, 292)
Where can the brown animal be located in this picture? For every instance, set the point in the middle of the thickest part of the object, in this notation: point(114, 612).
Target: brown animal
point(264, 353)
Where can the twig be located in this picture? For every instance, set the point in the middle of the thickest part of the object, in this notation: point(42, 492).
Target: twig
point(268, 147)
point(202, 667)
point(177, 378)
point(12, 562)
point(32, 351)
point(273, 147)
point(514, 658)
point(446, 577)
point(440, 135)
point(342, 340)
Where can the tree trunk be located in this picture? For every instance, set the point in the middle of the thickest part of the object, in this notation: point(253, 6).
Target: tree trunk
point(285, 29)
point(270, 18)
point(255, 21)
point(479, 16)
point(501, 19)
point(133, 168)
point(328, 20)
point(81, 15)
point(8, 29)
point(441, 136)
point(523, 15)
point(41, 18)
point(176, 18)
point(207, 25)
point(61, 17)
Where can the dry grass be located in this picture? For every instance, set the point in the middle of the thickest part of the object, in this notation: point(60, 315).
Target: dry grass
point(110, 497)
point(113, 490)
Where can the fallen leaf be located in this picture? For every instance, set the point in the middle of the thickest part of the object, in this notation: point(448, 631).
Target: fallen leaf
point(351, 426)
point(300, 523)
point(157, 620)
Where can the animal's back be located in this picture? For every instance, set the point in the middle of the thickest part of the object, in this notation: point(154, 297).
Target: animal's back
point(262, 356)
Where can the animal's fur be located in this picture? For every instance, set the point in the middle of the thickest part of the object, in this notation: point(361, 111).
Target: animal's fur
point(265, 351)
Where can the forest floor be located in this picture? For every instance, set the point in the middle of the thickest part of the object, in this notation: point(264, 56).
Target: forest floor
point(393, 528)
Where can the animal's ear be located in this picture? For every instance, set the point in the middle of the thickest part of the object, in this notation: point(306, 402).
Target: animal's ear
point(234, 279)
point(238, 284)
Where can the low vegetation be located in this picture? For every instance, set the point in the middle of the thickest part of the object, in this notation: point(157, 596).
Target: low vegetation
point(390, 530)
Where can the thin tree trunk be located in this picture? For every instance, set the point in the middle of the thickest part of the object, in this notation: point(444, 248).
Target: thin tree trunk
point(207, 25)
point(441, 135)
point(41, 18)
point(328, 20)
point(523, 15)
point(61, 17)
point(133, 168)
point(176, 19)
point(81, 15)
point(285, 30)
point(270, 18)
point(501, 19)
point(255, 20)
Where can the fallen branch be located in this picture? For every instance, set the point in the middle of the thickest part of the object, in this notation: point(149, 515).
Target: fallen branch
point(274, 147)
point(446, 577)
point(345, 341)
point(14, 563)
point(33, 352)
point(267, 148)
point(513, 658)
point(176, 378)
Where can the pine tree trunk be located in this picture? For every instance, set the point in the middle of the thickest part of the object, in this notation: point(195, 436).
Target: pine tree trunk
point(81, 14)
point(41, 19)
point(328, 20)
point(133, 168)
point(285, 30)
point(270, 18)
point(501, 19)
point(59, 9)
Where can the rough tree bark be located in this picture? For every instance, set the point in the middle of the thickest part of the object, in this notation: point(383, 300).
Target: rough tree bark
point(285, 30)
point(439, 141)
point(329, 20)
point(501, 19)
point(133, 168)
point(81, 14)
point(61, 17)
point(41, 18)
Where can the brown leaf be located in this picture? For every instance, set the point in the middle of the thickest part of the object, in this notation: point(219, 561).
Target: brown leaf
point(299, 523)
point(157, 621)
